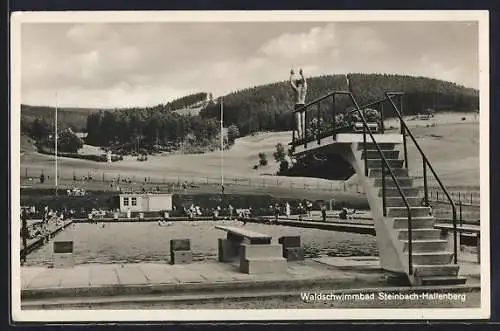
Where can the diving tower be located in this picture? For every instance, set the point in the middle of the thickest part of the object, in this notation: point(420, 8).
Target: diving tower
point(406, 238)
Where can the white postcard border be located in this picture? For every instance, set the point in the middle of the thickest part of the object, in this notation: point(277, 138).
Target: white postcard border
point(19, 18)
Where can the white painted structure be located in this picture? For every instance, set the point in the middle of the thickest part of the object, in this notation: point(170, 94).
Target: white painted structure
point(145, 202)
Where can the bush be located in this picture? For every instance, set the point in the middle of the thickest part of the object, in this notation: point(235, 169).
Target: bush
point(283, 165)
point(279, 154)
point(233, 132)
point(263, 162)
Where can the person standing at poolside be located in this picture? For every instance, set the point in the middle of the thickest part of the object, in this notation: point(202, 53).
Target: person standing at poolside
point(299, 86)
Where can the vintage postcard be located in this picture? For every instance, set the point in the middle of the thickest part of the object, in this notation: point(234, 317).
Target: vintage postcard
point(264, 165)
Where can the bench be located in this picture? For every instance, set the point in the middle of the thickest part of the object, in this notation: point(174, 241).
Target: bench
point(463, 229)
point(292, 249)
point(245, 236)
point(254, 251)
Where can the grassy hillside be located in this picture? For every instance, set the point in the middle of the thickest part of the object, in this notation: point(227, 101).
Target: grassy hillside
point(452, 146)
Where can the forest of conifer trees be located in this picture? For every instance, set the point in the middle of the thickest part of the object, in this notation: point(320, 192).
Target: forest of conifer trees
point(261, 108)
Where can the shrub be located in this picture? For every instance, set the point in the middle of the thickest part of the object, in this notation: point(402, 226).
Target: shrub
point(283, 165)
point(263, 162)
point(233, 132)
point(279, 154)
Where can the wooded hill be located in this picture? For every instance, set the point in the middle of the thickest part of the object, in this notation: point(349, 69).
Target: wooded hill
point(267, 107)
point(76, 118)
point(261, 108)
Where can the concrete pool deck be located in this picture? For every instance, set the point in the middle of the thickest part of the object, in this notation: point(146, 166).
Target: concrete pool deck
point(42, 285)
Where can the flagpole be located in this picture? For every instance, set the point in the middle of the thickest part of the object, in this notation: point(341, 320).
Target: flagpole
point(56, 144)
point(222, 144)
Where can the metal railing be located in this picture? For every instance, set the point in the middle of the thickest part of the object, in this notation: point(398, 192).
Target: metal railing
point(405, 132)
point(425, 163)
point(318, 134)
point(366, 129)
point(384, 164)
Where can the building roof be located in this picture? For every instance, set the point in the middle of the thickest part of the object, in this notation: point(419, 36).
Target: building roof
point(144, 193)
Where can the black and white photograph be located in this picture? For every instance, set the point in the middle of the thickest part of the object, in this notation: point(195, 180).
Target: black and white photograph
point(259, 165)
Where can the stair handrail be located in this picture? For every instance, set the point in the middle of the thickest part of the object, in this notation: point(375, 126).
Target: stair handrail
point(428, 163)
point(400, 190)
point(326, 96)
point(304, 108)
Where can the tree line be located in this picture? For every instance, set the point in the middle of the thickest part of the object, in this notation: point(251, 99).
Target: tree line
point(260, 108)
point(76, 118)
point(142, 130)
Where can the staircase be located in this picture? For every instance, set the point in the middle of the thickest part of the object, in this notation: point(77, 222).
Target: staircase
point(404, 225)
point(432, 255)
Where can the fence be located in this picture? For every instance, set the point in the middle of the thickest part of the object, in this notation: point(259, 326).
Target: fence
point(82, 177)
point(465, 198)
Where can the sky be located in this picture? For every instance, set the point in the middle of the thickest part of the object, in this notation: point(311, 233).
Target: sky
point(140, 64)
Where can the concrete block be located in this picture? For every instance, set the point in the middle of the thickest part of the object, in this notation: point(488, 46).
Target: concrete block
point(260, 251)
point(181, 257)
point(62, 256)
point(293, 254)
point(180, 245)
point(290, 241)
point(263, 266)
point(228, 250)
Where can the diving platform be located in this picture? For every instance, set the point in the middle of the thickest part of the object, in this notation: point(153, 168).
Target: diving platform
point(403, 222)
point(334, 143)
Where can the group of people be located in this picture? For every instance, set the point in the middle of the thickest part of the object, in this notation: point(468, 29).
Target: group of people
point(76, 192)
point(49, 219)
point(303, 209)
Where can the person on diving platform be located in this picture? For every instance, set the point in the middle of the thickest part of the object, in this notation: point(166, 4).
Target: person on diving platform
point(299, 87)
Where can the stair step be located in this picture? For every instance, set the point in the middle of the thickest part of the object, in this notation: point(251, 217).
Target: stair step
point(416, 222)
point(377, 163)
point(398, 172)
point(426, 245)
point(371, 146)
point(399, 202)
point(374, 154)
point(403, 211)
point(430, 270)
point(419, 234)
point(442, 280)
point(389, 181)
point(431, 258)
point(394, 192)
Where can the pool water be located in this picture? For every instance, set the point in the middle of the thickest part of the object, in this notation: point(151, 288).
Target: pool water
point(149, 242)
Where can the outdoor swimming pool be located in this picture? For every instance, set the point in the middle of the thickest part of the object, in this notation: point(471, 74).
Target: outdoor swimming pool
point(149, 242)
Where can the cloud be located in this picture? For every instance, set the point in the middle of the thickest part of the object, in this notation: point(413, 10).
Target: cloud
point(292, 46)
point(131, 64)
